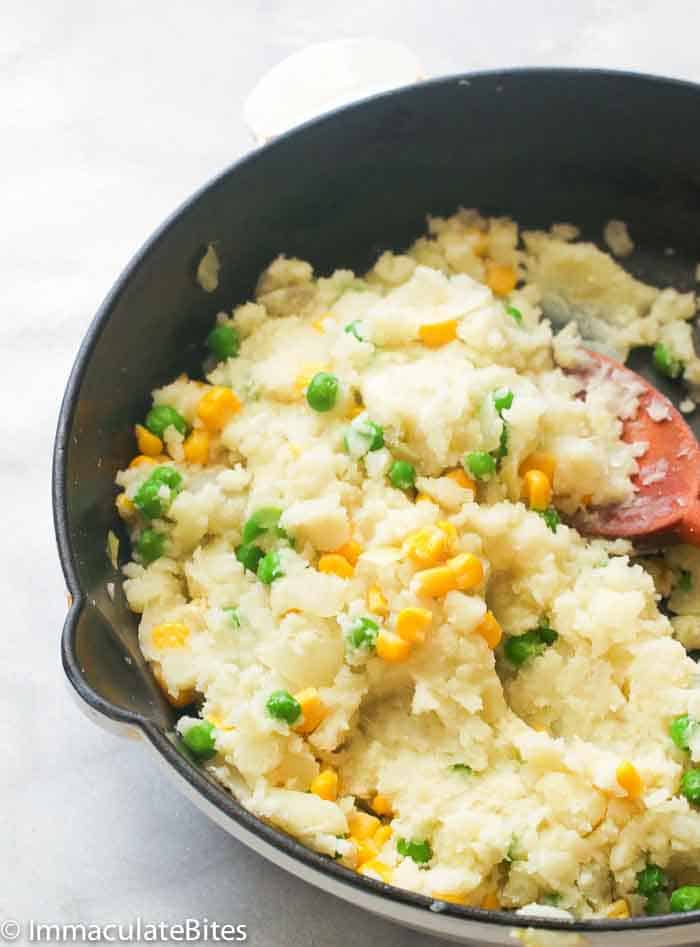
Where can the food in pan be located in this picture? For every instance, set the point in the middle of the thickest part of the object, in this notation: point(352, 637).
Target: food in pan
point(357, 565)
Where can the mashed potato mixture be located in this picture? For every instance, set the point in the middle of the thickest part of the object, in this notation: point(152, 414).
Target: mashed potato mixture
point(352, 565)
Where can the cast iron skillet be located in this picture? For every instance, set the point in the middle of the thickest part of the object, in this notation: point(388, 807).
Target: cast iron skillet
point(540, 145)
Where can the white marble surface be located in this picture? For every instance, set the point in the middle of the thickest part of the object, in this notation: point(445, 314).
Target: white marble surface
point(111, 114)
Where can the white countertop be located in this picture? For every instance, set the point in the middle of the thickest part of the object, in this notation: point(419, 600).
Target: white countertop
point(111, 115)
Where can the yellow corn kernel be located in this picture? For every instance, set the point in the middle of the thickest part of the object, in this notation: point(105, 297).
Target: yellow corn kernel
point(351, 551)
point(217, 407)
point(317, 324)
point(382, 806)
point(375, 867)
point(490, 630)
point(325, 785)
point(333, 564)
point(149, 444)
point(354, 410)
point(142, 460)
point(537, 489)
point(462, 478)
point(392, 648)
point(427, 546)
point(171, 634)
point(312, 708)
point(435, 334)
point(125, 506)
point(362, 825)
point(468, 571)
point(540, 460)
point(501, 279)
point(628, 778)
point(180, 698)
point(434, 583)
point(376, 602)
point(618, 910)
point(450, 896)
point(301, 382)
point(365, 850)
point(412, 623)
point(490, 902)
point(449, 529)
point(196, 447)
point(382, 835)
point(423, 498)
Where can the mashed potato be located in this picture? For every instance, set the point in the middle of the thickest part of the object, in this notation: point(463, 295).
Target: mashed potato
point(350, 550)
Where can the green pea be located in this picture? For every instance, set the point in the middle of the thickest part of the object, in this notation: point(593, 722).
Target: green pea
point(417, 849)
point(546, 634)
point(322, 392)
point(282, 706)
point(690, 786)
point(650, 880)
point(685, 581)
point(685, 898)
point(503, 399)
point(160, 417)
point(249, 556)
point(374, 432)
point(402, 474)
point(363, 436)
point(261, 521)
point(168, 476)
point(233, 616)
point(666, 363)
point(353, 328)
point(270, 568)
point(502, 449)
point(199, 740)
point(150, 545)
point(148, 499)
point(521, 648)
point(224, 342)
point(362, 633)
point(657, 903)
point(480, 464)
point(551, 518)
point(680, 730)
point(515, 313)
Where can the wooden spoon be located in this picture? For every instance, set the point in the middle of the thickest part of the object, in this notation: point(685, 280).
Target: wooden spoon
point(666, 505)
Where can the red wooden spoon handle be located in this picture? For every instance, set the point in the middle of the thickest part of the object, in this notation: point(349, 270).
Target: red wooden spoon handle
point(665, 507)
point(688, 530)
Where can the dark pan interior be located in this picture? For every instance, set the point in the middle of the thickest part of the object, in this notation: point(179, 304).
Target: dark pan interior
point(541, 146)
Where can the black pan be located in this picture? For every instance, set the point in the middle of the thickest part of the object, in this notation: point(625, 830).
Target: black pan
point(539, 145)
